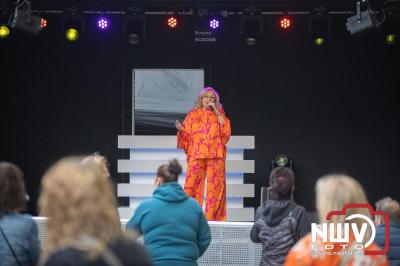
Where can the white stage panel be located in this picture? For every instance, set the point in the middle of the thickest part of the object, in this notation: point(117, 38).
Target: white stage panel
point(151, 166)
point(169, 142)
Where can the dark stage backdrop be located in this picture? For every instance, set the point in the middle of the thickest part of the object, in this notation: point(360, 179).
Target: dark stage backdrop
point(331, 109)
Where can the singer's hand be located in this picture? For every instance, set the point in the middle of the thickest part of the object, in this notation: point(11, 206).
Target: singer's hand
point(211, 105)
point(178, 125)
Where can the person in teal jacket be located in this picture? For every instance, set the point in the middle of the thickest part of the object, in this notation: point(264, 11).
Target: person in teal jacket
point(174, 228)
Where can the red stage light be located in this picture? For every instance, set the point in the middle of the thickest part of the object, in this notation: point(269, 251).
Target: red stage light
point(285, 23)
point(43, 23)
point(172, 22)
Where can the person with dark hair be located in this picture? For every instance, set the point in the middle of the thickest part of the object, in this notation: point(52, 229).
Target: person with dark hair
point(173, 225)
point(279, 221)
point(392, 208)
point(19, 237)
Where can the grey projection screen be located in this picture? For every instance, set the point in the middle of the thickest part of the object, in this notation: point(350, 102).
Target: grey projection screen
point(160, 96)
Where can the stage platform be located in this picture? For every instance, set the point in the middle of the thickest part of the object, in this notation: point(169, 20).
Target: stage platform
point(230, 245)
point(147, 153)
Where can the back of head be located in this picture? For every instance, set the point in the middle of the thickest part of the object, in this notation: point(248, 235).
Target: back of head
point(391, 207)
point(334, 191)
point(170, 172)
point(281, 181)
point(79, 203)
point(99, 161)
point(12, 188)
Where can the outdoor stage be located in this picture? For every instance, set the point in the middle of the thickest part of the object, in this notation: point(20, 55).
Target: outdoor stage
point(230, 244)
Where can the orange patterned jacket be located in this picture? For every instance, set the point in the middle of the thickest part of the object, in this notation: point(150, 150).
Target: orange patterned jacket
point(202, 137)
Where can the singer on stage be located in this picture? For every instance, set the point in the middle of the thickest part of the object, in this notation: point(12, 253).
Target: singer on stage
point(203, 135)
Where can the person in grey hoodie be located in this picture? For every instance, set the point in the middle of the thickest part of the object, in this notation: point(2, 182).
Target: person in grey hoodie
point(279, 221)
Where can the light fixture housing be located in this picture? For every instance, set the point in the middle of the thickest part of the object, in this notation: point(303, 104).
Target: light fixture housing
point(73, 26)
point(363, 20)
point(319, 27)
point(4, 31)
point(24, 20)
point(134, 28)
point(251, 28)
point(281, 160)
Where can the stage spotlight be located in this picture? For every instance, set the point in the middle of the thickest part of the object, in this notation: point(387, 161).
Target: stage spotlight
point(390, 39)
point(72, 35)
point(24, 20)
point(285, 22)
point(319, 28)
point(357, 25)
point(74, 27)
point(319, 41)
point(134, 28)
point(251, 27)
point(281, 160)
point(390, 30)
point(214, 24)
point(362, 21)
point(172, 22)
point(4, 32)
point(43, 23)
point(103, 23)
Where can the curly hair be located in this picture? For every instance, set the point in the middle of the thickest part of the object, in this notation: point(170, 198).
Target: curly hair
point(391, 207)
point(78, 203)
point(12, 188)
point(281, 181)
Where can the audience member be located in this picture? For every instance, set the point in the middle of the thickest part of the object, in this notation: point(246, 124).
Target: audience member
point(279, 222)
point(100, 161)
point(392, 208)
point(332, 193)
point(173, 225)
point(19, 239)
point(83, 226)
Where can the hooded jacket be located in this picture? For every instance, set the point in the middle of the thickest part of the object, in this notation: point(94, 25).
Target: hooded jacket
point(278, 225)
point(174, 228)
point(393, 254)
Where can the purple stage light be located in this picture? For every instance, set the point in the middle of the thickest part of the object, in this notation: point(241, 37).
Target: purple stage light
point(103, 23)
point(214, 24)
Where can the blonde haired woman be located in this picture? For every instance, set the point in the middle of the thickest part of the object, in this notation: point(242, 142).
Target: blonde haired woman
point(203, 136)
point(83, 226)
point(97, 160)
point(332, 193)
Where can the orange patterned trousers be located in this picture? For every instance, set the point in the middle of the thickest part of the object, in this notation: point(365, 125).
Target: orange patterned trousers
point(214, 171)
